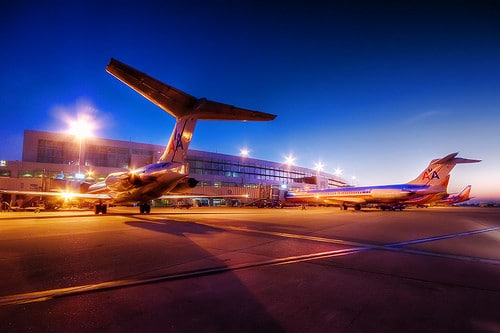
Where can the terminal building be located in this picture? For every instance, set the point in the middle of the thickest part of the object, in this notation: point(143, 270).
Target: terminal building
point(57, 161)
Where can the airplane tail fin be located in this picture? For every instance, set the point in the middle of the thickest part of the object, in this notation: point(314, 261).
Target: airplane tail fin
point(439, 169)
point(465, 194)
point(180, 138)
point(185, 108)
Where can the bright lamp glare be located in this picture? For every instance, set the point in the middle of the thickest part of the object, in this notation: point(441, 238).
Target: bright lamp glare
point(81, 127)
point(79, 118)
point(319, 166)
point(244, 152)
point(67, 195)
point(290, 159)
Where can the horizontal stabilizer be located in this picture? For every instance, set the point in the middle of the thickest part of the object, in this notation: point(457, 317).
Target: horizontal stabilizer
point(451, 158)
point(178, 103)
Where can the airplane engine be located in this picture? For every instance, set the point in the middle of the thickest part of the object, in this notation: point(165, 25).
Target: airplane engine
point(122, 181)
point(185, 186)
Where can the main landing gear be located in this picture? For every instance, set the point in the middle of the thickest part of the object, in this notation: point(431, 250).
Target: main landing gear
point(101, 208)
point(344, 207)
point(144, 207)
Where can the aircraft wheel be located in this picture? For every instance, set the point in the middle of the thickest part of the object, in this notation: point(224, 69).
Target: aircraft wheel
point(104, 209)
point(144, 208)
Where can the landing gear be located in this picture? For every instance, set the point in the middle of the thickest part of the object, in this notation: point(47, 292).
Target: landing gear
point(145, 207)
point(101, 208)
point(392, 208)
point(343, 206)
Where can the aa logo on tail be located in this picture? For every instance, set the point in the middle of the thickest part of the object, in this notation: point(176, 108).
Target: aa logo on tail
point(178, 140)
point(430, 175)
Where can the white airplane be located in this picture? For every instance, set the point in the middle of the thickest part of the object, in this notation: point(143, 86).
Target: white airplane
point(431, 182)
point(168, 177)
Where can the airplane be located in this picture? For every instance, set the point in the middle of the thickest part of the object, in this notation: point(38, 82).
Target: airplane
point(452, 199)
point(431, 182)
point(169, 176)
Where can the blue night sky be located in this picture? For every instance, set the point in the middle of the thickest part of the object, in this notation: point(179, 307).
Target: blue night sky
point(375, 90)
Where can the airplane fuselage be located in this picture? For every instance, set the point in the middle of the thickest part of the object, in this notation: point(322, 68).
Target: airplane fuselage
point(367, 194)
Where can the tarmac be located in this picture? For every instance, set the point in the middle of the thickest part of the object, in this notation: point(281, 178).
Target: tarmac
point(248, 269)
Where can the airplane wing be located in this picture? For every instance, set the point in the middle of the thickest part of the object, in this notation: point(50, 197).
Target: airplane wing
point(106, 196)
point(102, 196)
point(176, 102)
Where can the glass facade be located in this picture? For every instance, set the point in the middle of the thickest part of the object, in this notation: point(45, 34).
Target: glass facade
point(58, 152)
point(249, 172)
point(107, 156)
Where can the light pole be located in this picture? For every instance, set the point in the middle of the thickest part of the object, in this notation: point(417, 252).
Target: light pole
point(81, 128)
point(289, 161)
point(80, 139)
point(318, 166)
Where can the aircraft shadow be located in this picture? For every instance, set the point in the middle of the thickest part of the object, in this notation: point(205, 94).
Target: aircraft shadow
point(172, 227)
point(215, 302)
